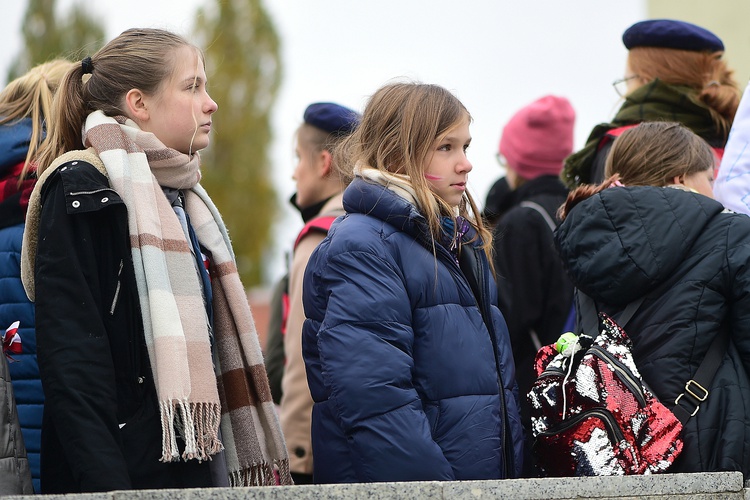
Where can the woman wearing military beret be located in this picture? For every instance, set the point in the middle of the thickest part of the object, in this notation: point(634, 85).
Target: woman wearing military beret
point(674, 71)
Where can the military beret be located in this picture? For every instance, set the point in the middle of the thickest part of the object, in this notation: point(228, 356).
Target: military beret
point(671, 34)
point(332, 118)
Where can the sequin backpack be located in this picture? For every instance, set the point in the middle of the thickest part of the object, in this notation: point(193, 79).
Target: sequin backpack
point(591, 412)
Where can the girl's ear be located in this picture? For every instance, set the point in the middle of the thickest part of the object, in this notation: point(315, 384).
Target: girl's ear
point(135, 103)
point(678, 179)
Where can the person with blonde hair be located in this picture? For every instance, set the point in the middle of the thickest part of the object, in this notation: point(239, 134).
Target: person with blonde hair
point(150, 362)
point(675, 71)
point(653, 232)
point(25, 110)
point(408, 357)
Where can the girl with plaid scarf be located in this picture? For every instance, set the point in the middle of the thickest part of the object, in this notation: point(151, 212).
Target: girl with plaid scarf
point(147, 349)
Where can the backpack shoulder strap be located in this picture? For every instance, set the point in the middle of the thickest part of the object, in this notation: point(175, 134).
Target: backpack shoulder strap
point(542, 211)
point(696, 389)
point(613, 134)
point(589, 313)
point(318, 224)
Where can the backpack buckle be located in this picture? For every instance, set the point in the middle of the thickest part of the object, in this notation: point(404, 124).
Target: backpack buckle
point(677, 403)
point(696, 391)
point(692, 384)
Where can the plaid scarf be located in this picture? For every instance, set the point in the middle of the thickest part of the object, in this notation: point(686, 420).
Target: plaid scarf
point(192, 401)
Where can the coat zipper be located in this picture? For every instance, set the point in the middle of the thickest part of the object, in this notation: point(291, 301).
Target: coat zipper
point(622, 372)
point(77, 193)
point(117, 290)
point(487, 320)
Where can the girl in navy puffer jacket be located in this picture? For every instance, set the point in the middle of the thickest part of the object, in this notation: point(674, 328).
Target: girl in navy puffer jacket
point(408, 357)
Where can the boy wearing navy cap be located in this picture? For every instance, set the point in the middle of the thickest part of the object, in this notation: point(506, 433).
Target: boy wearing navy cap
point(320, 185)
point(674, 70)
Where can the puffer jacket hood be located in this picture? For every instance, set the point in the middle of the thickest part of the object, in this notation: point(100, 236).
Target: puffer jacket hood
point(363, 197)
point(623, 242)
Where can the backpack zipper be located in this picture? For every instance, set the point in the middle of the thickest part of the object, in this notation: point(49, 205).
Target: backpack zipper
point(622, 372)
point(602, 414)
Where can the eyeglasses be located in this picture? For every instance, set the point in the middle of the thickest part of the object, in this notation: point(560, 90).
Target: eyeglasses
point(621, 85)
point(501, 160)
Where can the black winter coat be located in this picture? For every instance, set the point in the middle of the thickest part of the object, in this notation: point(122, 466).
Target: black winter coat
point(689, 258)
point(534, 291)
point(101, 428)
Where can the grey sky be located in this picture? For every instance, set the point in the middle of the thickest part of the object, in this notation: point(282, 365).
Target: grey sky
point(495, 55)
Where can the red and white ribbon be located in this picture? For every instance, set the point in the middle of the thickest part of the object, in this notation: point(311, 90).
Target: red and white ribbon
point(11, 340)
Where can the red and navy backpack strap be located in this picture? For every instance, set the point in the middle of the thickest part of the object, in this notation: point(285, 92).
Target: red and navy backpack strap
point(318, 224)
point(613, 134)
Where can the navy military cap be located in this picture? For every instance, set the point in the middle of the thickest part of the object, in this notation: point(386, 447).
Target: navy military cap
point(671, 34)
point(332, 118)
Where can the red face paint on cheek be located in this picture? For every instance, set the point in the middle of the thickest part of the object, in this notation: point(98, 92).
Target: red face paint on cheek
point(431, 177)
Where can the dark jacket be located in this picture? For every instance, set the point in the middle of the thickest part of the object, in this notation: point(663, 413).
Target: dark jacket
point(14, 305)
point(15, 477)
point(500, 199)
point(408, 358)
point(689, 258)
point(534, 290)
point(101, 427)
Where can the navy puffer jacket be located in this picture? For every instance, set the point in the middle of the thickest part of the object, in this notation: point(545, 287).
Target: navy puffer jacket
point(412, 376)
point(689, 258)
point(14, 305)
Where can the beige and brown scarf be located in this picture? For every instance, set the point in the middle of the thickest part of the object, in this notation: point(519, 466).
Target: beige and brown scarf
point(193, 402)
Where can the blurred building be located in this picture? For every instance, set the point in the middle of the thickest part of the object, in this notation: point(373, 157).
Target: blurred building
point(259, 299)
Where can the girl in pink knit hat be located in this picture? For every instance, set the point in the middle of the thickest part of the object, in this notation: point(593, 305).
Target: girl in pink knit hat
point(535, 293)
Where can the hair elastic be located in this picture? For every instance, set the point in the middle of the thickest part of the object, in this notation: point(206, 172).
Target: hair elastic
point(87, 66)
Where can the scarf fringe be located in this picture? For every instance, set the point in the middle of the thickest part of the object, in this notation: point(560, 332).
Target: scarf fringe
point(261, 474)
point(196, 423)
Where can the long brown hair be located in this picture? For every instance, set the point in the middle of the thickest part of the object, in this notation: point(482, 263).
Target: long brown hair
point(705, 72)
point(650, 154)
point(30, 96)
point(399, 126)
point(138, 58)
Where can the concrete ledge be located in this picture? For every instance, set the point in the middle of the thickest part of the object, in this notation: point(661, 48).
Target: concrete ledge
point(705, 485)
point(717, 485)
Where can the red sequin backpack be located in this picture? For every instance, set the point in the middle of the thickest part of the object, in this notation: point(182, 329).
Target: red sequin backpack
point(591, 412)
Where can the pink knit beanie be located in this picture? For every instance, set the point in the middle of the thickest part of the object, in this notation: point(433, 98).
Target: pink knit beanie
point(539, 137)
